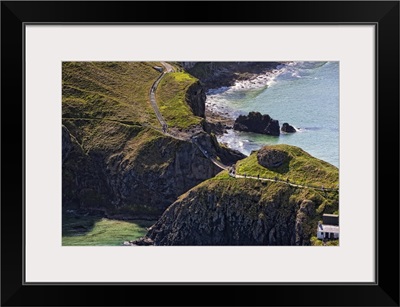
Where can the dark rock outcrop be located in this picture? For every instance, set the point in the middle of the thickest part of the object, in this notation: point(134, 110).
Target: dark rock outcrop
point(216, 128)
point(132, 184)
point(210, 143)
point(305, 213)
point(142, 242)
point(271, 158)
point(219, 217)
point(83, 185)
point(196, 99)
point(130, 180)
point(66, 143)
point(257, 123)
point(288, 128)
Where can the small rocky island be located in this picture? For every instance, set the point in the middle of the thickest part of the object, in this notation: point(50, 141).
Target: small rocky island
point(257, 123)
point(261, 123)
point(288, 128)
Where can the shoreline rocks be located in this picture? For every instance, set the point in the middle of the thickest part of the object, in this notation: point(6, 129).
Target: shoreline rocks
point(288, 128)
point(257, 123)
point(220, 74)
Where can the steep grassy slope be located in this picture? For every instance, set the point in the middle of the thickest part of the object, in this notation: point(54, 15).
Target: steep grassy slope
point(115, 91)
point(171, 99)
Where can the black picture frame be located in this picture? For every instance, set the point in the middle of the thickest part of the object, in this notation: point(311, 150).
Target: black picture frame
point(383, 14)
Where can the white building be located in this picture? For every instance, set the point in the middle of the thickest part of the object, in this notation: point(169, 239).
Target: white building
point(327, 232)
point(329, 228)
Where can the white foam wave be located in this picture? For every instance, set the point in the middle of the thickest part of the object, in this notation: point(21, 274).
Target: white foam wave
point(217, 99)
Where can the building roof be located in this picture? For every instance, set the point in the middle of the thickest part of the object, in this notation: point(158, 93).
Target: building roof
point(328, 228)
point(330, 219)
point(332, 215)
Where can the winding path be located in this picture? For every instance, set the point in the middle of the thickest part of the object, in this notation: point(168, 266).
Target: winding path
point(153, 97)
point(285, 182)
point(168, 69)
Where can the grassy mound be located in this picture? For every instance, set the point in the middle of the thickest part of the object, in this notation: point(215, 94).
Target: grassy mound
point(300, 168)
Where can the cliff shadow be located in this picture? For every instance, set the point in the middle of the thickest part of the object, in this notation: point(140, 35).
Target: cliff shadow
point(75, 225)
point(97, 230)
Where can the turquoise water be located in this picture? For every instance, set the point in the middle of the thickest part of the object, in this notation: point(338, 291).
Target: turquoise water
point(303, 94)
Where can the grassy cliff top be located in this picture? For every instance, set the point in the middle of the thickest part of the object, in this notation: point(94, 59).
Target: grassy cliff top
point(262, 199)
point(119, 92)
point(116, 91)
point(299, 167)
point(171, 99)
point(106, 106)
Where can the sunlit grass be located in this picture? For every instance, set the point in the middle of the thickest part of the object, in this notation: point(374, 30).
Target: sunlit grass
point(316, 242)
point(301, 168)
point(171, 100)
point(108, 90)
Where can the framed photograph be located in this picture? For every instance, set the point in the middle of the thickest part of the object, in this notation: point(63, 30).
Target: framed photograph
point(237, 146)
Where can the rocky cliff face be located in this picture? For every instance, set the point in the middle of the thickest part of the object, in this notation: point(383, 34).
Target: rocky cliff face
point(83, 183)
point(196, 99)
point(250, 211)
point(214, 149)
point(239, 213)
point(257, 123)
point(188, 65)
point(140, 177)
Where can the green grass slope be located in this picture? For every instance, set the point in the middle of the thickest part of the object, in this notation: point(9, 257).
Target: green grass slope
point(115, 91)
point(171, 99)
point(301, 168)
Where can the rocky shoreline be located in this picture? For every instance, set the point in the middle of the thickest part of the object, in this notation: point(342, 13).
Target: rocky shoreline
point(220, 76)
point(225, 74)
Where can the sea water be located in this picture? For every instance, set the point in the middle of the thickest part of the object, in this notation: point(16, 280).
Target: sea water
point(303, 94)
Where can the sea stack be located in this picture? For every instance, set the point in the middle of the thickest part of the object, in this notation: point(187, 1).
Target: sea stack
point(288, 128)
point(257, 123)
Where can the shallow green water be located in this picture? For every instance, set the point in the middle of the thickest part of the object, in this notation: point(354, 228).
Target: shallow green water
point(95, 231)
